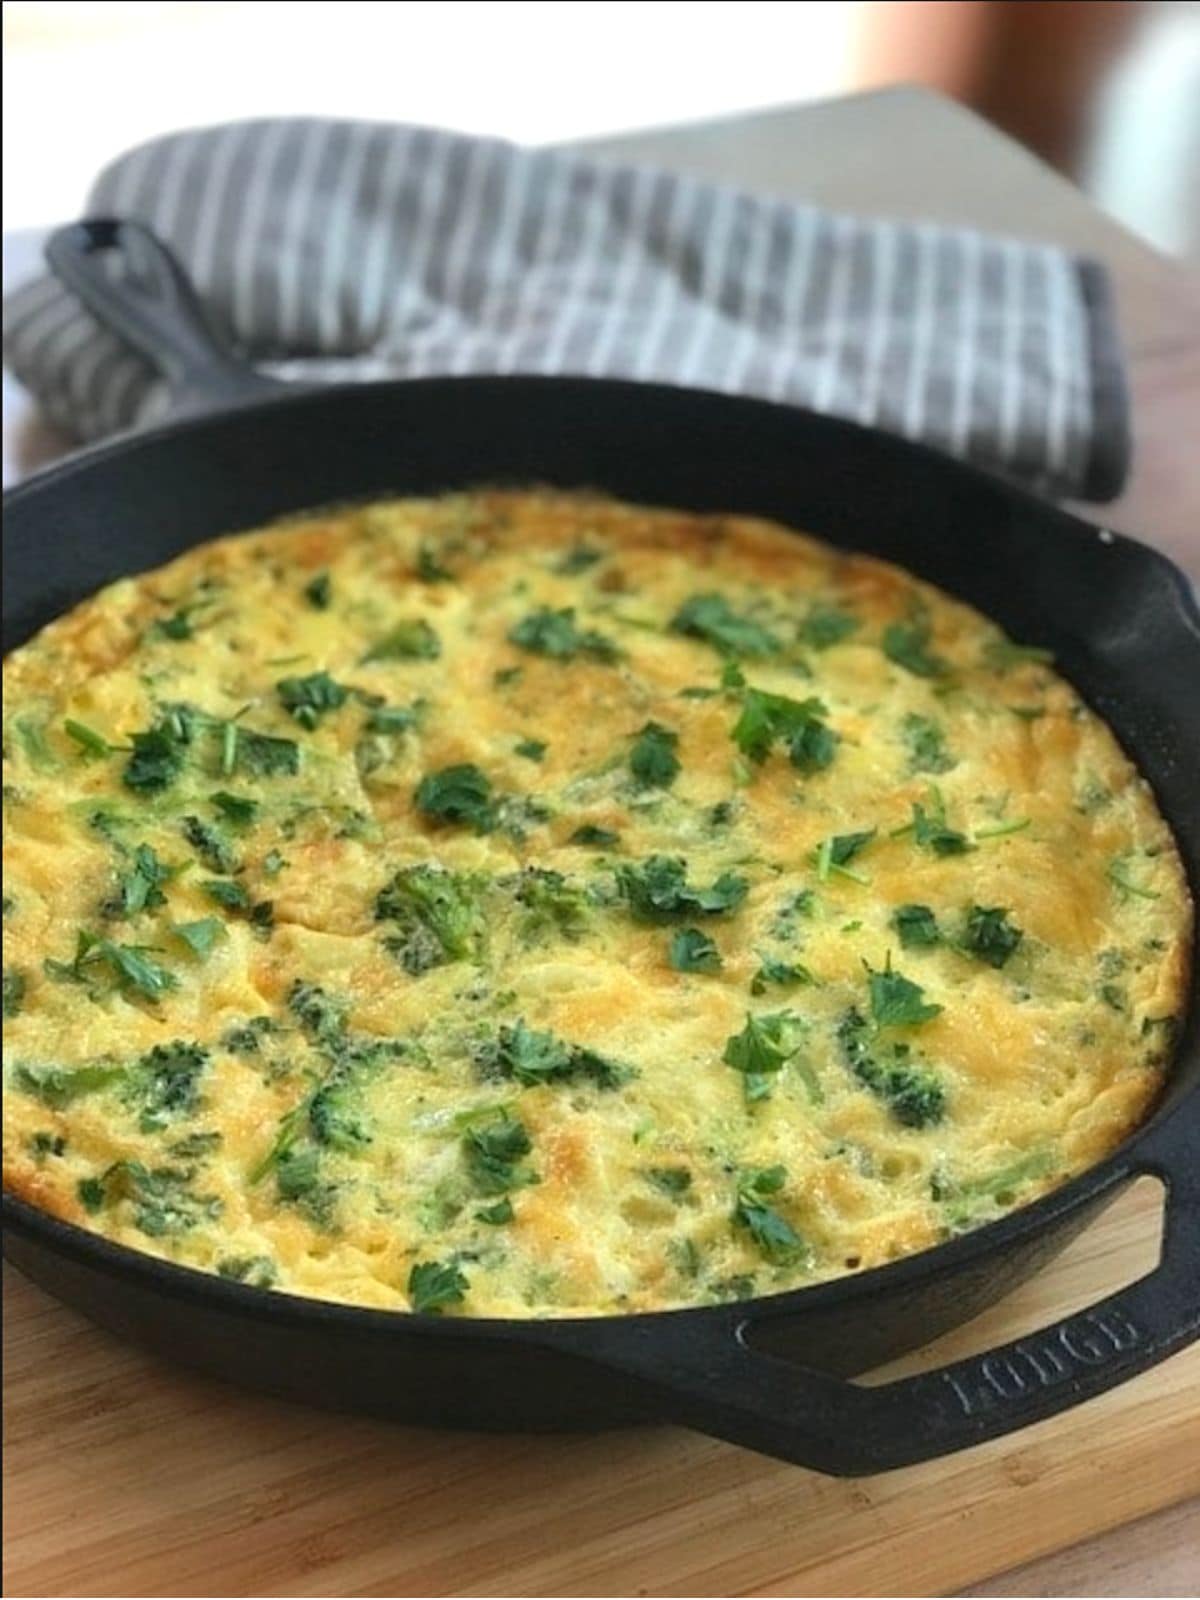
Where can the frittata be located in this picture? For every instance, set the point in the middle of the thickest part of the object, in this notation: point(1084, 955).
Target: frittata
point(530, 905)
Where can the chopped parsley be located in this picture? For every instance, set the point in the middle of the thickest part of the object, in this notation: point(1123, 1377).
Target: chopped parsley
point(765, 1045)
point(531, 749)
point(908, 644)
point(775, 1237)
point(494, 1152)
point(693, 951)
point(766, 718)
point(429, 566)
point(925, 741)
point(898, 1002)
point(434, 1285)
point(653, 761)
point(532, 1056)
point(318, 591)
point(200, 936)
point(393, 719)
point(177, 626)
point(931, 831)
point(917, 927)
point(214, 850)
point(237, 809)
point(990, 935)
point(14, 991)
point(227, 892)
point(826, 625)
point(308, 699)
point(593, 837)
point(141, 887)
point(461, 794)
point(834, 854)
point(556, 634)
point(413, 640)
point(130, 965)
point(578, 559)
point(657, 890)
point(773, 973)
point(710, 617)
point(262, 755)
point(156, 760)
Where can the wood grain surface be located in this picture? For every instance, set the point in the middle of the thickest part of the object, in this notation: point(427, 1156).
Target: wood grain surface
point(126, 1476)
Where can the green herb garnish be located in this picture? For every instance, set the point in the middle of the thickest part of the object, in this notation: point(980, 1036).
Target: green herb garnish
point(908, 645)
point(773, 973)
point(693, 951)
point(657, 891)
point(141, 887)
point(917, 927)
point(990, 936)
point(898, 1002)
point(200, 936)
point(318, 591)
point(214, 850)
point(710, 617)
point(308, 699)
point(238, 809)
point(493, 1155)
point(15, 985)
point(413, 640)
point(827, 625)
point(772, 1233)
point(434, 1285)
point(594, 837)
point(556, 634)
point(926, 744)
point(461, 794)
point(653, 761)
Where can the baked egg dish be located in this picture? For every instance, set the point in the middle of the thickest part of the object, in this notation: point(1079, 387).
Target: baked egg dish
point(530, 905)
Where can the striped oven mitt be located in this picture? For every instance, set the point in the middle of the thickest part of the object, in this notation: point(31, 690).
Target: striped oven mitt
point(357, 250)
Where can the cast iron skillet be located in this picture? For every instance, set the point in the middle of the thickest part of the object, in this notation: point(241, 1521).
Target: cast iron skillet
point(769, 1373)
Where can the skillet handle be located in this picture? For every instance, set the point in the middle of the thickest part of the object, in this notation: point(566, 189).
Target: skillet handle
point(718, 1383)
point(153, 307)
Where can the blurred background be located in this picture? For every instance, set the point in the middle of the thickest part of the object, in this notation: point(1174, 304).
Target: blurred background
point(1106, 91)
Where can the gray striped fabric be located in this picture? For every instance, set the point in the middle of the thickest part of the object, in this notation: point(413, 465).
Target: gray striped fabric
point(359, 250)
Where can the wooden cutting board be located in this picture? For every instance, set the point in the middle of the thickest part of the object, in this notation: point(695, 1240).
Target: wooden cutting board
point(126, 1476)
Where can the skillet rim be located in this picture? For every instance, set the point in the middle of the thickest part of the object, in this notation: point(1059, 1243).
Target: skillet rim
point(1132, 1158)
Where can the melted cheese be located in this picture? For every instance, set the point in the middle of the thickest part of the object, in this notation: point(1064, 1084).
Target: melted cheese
point(225, 1123)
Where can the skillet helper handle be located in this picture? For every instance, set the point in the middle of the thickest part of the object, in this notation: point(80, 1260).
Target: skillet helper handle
point(154, 308)
point(720, 1384)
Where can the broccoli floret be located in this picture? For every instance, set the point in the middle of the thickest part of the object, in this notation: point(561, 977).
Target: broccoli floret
point(913, 1094)
point(438, 917)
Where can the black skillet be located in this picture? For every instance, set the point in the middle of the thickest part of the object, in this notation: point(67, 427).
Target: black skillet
point(771, 1373)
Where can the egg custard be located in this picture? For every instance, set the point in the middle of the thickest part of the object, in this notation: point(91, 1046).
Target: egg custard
point(529, 905)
